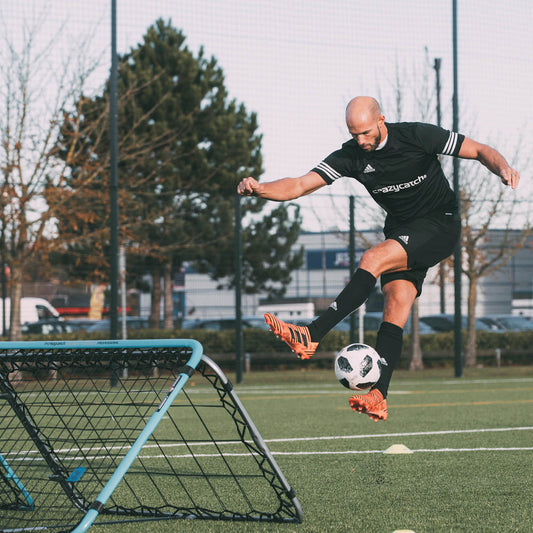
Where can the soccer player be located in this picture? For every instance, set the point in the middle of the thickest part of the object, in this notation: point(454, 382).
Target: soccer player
point(398, 165)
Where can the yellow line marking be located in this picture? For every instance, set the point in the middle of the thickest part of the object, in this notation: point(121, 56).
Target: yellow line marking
point(298, 396)
point(459, 391)
point(456, 404)
point(453, 404)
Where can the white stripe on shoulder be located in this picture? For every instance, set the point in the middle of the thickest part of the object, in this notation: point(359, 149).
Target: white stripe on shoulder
point(451, 144)
point(329, 171)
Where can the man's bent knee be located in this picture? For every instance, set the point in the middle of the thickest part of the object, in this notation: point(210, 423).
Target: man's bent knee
point(386, 256)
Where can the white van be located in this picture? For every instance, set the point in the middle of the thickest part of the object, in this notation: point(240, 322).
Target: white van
point(31, 310)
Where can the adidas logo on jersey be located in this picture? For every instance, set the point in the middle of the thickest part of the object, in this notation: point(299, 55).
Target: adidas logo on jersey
point(333, 305)
point(404, 238)
point(369, 168)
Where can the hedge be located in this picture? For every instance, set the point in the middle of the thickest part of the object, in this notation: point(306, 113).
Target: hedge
point(260, 341)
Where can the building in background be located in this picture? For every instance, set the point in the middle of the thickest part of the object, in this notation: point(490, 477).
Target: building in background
point(323, 275)
point(326, 271)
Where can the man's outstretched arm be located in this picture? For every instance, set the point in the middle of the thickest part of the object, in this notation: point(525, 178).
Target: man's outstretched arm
point(282, 189)
point(492, 159)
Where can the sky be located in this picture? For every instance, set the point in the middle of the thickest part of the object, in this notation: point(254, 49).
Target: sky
point(297, 63)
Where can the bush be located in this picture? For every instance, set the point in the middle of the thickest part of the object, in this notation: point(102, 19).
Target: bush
point(437, 348)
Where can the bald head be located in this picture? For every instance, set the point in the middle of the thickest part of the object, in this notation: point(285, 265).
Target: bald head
point(365, 122)
point(362, 107)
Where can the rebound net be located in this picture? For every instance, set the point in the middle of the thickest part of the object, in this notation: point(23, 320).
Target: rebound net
point(115, 431)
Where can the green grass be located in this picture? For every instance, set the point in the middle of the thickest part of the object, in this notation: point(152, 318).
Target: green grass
point(471, 470)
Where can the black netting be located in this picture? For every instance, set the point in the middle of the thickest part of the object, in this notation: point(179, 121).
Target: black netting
point(69, 415)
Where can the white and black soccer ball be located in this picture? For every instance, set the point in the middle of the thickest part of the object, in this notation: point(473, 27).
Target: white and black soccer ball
point(358, 366)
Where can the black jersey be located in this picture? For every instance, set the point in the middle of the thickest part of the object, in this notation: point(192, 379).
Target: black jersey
point(405, 176)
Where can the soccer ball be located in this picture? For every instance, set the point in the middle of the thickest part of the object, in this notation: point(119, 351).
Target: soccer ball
point(358, 366)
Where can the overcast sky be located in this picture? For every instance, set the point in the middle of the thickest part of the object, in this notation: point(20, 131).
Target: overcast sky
point(296, 64)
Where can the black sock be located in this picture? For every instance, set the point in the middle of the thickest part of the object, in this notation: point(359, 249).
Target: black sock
point(388, 346)
point(352, 296)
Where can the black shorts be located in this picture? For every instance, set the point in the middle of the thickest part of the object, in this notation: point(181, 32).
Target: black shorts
point(427, 240)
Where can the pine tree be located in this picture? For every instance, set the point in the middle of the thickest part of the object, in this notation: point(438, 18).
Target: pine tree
point(183, 147)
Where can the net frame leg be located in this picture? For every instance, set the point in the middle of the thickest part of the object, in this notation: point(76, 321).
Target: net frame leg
point(11, 476)
point(133, 452)
point(9, 394)
point(257, 438)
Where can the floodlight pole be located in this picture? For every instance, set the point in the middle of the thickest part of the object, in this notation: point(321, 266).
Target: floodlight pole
point(238, 289)
point(457, 263)
point(352, 262)
point(3, 263)
point(113, 134)
point(442, 281)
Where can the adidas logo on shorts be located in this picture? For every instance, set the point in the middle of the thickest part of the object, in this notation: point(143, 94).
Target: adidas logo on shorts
point(404, 238)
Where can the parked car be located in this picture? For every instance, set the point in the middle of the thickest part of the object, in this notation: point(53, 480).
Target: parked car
point(373, 319)
point(493, 324)
point(446, 322)
point(81, 324)
point(217, 324)
point(132, 322)
point(46, 327)
point(510, 322)
point(31, 310)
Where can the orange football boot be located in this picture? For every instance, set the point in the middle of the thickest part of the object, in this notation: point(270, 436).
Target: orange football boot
point(296, 337)
point(372, 404)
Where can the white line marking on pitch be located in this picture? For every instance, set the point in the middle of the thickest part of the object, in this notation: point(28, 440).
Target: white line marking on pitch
point(301, 453)
point(410, 434)
point(308, 439)
point(345, 452)
point(342, 437)
point(421, 450)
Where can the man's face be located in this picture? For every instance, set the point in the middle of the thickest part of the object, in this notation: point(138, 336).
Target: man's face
point(367, 133)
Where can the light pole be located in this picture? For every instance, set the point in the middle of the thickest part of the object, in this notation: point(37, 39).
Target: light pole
point(457, 263)
point(113, 193)
point(436, 66)
point(238, 289)
point(3, 261)
point(352, 251)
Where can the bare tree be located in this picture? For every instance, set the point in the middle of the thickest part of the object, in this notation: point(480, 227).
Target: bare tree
point(486, 205)
point(36, 85)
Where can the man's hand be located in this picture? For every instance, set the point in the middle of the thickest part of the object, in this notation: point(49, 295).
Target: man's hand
point(510, 177)
point(248, 187)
